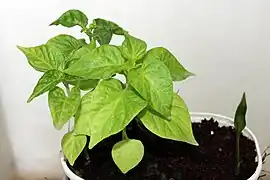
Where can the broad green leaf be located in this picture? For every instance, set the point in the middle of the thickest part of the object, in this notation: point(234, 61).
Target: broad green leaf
point(80, 52)
point(154, 83)
point(63, 107)
point(107, 110)
point(133, 48)
point(66, 43)
point(72, 18)
point(104, 31)
point(127, 154)
point(178, 72)
point(44, 57)
point(179, 128)
point(83, 84)
point(240, 115)
point(46, 83)
point(101, 63)
point(72, 146)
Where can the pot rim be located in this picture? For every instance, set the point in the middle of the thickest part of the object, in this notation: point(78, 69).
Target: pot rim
point(255, 175)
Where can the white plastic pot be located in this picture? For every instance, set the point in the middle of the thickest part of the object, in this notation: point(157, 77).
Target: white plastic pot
point(195, 117)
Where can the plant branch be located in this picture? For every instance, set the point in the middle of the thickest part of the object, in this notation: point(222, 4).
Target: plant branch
point(124, 134)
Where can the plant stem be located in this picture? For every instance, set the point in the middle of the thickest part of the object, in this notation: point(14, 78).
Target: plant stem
point(124, 134)
point(237, 169)
point(68, 92)
point(85, 151)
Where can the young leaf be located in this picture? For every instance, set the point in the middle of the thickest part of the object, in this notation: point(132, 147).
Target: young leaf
point(72, 146)
point(46, 83)
point(63, 107)
point(107, 110)
point(133, 48)
point(66, 43)
point(240, 116)
point(178, 128)
point(101, 63)
point(178, 72)
point(127, 154)
point(154, 83)
point(72, 18)
point(44, 57)
point(104, 31)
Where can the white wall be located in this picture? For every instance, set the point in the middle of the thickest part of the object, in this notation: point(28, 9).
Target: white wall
point(225, 42)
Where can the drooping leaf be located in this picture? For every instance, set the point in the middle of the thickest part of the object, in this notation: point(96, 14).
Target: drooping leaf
point(101, 63)
point(240, 115)
point(127, 154)
point(66, 43)
point(83, 84)
point(154, 83)
point(178, 72)
point(104, 31)
point(46, 83)
point(179, 128)
point(107, 110)
point(72, 18)
point(44, 57)
point(133, 48)
point(63, 107)
point(72, 146)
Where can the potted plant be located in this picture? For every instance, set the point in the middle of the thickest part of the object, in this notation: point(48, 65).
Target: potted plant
point(137, 128)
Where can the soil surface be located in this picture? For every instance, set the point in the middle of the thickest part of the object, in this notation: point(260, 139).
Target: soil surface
point(213, 159)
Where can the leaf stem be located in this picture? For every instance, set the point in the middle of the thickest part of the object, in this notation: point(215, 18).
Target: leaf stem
point(124, 134)
point(68, 92)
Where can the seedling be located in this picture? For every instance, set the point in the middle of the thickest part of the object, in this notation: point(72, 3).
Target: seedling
point(109, 105)
point(239, 124)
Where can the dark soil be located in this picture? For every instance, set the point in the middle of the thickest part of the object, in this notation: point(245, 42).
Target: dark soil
point(164, 159)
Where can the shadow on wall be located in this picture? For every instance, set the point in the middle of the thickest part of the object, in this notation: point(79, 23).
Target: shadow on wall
point(6, 155)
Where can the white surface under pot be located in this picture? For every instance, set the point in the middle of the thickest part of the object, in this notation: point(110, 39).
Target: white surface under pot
point(195, 117)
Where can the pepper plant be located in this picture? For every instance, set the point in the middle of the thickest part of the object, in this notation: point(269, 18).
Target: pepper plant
point(109, 105)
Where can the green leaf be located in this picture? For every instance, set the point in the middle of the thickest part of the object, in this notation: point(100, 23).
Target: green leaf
point(66, 43)
point(178, 72)
point(80, 53)
point(179, 128)
point(101, 63)
point(63, 107)
point(104, 31)
point(133, 48)
point(72, 18)
point(127, 154)
point(83, 84)
point(240, 115)
point(72, 146)
point(154, 83)
point(44, 57)
point(107, 110)
point(46, 83)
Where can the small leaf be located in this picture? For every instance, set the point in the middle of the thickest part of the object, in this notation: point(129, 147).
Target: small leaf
point(46, 83)
point(127, 154)
point(179, 128)
point(65, 43)
point(104, 31)
point(62, 107)
point(154, 83)
point(240, 115)
point(72, 18)
point(101, 63)
point(133, 48)
point(72, 146)
point(178, 72)
point(107, 110)
point(44, 57)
